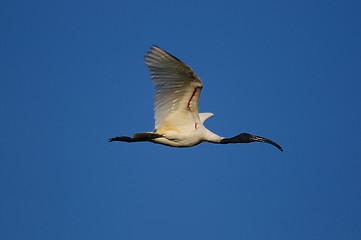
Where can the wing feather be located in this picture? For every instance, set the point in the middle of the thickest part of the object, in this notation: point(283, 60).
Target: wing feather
point(177, 88)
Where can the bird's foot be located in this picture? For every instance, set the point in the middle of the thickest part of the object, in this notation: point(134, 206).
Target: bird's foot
point(121, 139)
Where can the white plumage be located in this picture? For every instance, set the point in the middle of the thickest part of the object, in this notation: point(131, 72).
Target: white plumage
point(177, 121)
point(175, 83)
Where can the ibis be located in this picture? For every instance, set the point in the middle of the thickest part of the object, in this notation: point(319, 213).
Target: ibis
point(177, 120)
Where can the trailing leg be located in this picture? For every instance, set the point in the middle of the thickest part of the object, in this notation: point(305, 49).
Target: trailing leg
point(138, 137)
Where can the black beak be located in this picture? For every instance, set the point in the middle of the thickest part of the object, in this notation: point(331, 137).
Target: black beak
point(265, 140)
point(247, 138)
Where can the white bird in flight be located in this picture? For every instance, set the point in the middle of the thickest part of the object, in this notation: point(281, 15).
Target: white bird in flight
point(177, 121)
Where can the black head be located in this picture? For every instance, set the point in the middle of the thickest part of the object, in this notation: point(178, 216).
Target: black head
point(247, 138)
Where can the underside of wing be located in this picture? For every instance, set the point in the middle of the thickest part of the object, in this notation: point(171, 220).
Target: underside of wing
point(177, 88)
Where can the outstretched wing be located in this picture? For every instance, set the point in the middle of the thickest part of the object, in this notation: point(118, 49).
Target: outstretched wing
point(177, 89)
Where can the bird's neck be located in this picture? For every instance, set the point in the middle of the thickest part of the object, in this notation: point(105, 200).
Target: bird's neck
point(211, 137)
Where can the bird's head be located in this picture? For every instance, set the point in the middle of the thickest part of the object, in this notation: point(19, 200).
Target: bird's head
point(247, 138)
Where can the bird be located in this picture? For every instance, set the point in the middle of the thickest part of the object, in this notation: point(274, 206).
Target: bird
point(177, 120)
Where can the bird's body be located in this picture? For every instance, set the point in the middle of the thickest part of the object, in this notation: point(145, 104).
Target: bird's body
point(186, 136)
point(177, 121)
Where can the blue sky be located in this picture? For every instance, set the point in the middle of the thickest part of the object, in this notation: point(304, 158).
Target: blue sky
point(72, 75)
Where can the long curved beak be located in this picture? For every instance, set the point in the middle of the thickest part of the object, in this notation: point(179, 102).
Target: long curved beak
point(265, 140)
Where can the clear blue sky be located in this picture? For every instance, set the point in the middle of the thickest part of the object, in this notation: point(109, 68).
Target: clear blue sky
point(72, 75)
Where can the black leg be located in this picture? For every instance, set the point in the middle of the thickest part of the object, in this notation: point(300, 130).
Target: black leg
point(121, 139)
point(138, 137)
